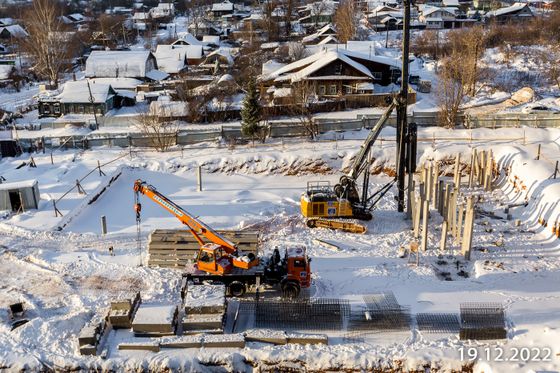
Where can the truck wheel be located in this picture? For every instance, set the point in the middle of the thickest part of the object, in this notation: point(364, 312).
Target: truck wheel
point(237, 289)
point(290, 289)
point(311, 223)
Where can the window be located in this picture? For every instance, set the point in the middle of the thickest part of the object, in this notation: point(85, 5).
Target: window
point(206, 258)
point(57, 108)
point(338, 70)
point(348, 89)
point(377, 75)
point(332, 89)
point(298, 263)
point(81, 109)
point(322, 90)
point(46, 109)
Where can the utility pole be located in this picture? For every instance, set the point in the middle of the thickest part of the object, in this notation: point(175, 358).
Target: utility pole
point(92, 100)
point(402, 99)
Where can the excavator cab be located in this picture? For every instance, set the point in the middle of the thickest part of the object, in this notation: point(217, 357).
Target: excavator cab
point(321, 201)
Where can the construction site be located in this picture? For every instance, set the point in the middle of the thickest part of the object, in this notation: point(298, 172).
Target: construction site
point(216, 259)
point(387, 249)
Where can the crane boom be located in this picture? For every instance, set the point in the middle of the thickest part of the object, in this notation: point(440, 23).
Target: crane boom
point(196, 226)
point(357, 166)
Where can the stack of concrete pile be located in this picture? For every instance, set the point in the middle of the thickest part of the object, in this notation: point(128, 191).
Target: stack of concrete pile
point(90, 336)
point(177, 248)
point(205, 308)
point(123, 310)
point(155, 320)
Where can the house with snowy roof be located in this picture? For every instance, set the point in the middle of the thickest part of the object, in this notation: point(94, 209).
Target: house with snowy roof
point(186, 38)
point(163, 10)
point(174, 59)
point(332, 74)
point(317, 14)
point(222, 8)
point(83, 97)
point(12, 31)
point(6, 21)
point(438, 17)
point(123, 64)
point(322, 33)
point(515, 12)
point(204, 27)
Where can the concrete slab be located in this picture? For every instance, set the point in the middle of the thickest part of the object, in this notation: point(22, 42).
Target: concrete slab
point(155, 319)
point(205, 298)
point(189, 341)
point(140, 346)
point(276, 337)
point(225, 340)
point(203, 321)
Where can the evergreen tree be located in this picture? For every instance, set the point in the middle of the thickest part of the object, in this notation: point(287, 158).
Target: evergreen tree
point(251, 114)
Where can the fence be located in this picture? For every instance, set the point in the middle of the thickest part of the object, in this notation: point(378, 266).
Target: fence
point(515, 120)
point(290, 129)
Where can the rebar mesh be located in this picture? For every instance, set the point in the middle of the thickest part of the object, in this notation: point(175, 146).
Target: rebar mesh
point(382, 312)
point(438, 322)
point(315, 314)
point(482, 321)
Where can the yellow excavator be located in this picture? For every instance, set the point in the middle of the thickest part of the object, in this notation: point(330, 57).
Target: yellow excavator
point(327, 206)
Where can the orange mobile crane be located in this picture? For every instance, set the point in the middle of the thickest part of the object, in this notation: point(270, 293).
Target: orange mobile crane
point(220, 259)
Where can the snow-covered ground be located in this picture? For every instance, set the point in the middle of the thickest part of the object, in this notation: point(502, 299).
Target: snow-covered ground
point(65, 276)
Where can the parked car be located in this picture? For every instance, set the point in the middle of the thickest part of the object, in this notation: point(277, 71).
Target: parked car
point(539, 109)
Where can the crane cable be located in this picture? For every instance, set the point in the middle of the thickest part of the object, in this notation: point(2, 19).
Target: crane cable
point(138, 209)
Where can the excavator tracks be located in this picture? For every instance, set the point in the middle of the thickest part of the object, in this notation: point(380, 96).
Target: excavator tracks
point(344, 225)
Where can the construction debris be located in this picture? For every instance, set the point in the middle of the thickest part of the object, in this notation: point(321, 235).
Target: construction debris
point(123, 310)
point(177, 248)
point(155, 320)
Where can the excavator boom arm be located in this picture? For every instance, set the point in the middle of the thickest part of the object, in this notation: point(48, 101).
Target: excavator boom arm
point(196, 226)
point(358, 164)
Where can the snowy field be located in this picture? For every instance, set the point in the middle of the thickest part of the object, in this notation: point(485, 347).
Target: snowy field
point(61, 268)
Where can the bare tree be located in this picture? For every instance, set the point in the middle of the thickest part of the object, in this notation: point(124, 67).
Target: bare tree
point(46, 45)
point(450, 90)
point(158, 127)
point(550, 60)
point(269, 23)
point(299, 106)
point(345, 21)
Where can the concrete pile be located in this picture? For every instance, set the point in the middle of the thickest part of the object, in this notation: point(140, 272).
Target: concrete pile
point(177, 248)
